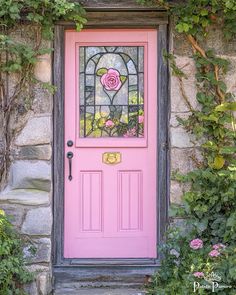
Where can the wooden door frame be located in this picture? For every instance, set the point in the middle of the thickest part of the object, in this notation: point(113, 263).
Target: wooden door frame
point(110, 18)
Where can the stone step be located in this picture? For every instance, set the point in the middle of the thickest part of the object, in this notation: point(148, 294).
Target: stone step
point(101, 279)
point(96, 291)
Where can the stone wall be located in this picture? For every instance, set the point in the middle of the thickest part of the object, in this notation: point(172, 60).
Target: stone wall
point(28, 195)
point(182, 144)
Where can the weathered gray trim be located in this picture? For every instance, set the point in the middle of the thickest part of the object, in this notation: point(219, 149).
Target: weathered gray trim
point(115, 5)
point(122, 4)
point(90, 268)
point(58, 145)
point(123, 19)
point(163, 154)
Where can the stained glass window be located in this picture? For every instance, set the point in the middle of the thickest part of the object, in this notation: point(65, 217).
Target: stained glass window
point(111, 82)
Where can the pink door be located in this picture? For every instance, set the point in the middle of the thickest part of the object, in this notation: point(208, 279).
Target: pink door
point(110, 117)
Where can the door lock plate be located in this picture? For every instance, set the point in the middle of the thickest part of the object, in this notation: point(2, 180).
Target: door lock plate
point(111, 158)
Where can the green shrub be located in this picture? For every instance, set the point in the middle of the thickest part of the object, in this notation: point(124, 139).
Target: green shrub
point(12, 264)
point(185, 271)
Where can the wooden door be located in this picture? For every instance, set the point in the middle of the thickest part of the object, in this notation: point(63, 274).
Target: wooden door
point(110, 144)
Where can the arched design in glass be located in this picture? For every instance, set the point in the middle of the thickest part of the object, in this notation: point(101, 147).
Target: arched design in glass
point(111, 83)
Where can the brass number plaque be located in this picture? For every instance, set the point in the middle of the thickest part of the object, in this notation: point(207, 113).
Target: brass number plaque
point(111, 158)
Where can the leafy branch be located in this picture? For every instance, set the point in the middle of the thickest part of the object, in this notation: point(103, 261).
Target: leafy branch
point(18, 59)
point(208, 207)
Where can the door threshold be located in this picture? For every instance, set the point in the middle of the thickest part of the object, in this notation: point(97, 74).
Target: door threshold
point(114, 261)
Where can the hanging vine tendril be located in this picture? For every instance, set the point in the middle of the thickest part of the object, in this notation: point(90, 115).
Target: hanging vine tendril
point(18, 59)
point(208, 209)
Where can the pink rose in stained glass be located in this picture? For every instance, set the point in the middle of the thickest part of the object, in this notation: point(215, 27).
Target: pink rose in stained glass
point(196, 244)
point(140, 119)
point(111, 80)
point(109, 123)
point(130, 133)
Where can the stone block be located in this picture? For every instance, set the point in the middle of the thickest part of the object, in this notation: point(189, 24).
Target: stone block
point(180, 44)
point(176, 191)
point(174, 118)
point(38, 130)
point(43, 69)
point(181, 159)
point(42, 251)
point(33, 152)
point(14, 213)
point(29, 197)
point(25, 33)
point(30, 175)
point(43, 100)
point(37, 268)
point(44, 283)
point(31, 289)
point(230, 78)
point(178, 103)
point(216, 41)
point(38, 222)
point(180, 138)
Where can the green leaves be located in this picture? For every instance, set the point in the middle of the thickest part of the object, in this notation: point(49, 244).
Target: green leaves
point(43, 13)
point(183, 27)
point(209, 199)
point(219, 162)
point(204, 12)
point(230, 4)
point(228, 150)
point(123, 78)
point(101, 71)
point(227, 106)
point(12, 266)
point(21, 56)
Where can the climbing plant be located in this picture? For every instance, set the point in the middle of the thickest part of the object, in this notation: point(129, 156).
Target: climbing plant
point(204, 253)
point(18, 58)
point(201, 256)
point(24, 27)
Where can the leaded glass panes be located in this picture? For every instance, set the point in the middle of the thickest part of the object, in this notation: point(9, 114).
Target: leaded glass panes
point(111, 86)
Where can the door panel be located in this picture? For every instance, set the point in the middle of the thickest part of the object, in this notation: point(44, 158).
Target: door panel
point(130, 200)
point(111, 115)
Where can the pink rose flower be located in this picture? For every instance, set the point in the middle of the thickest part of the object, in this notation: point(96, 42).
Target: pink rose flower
point(140, 119)
point(109, 123)
point(218, 246)
point(196, 244)
point(198, 274)
point(214, 253)
point(130, 133)
point(111, 80)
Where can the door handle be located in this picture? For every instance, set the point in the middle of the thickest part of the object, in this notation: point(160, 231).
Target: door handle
point(69, 156)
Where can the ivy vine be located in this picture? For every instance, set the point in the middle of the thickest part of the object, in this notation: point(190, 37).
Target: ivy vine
point(209, 206)
point(201, 256)
point(18, 59)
